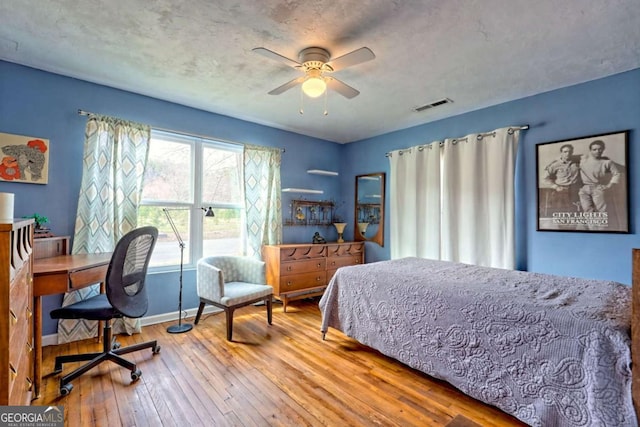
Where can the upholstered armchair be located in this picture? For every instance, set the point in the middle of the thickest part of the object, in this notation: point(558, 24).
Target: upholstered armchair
point(231, 282)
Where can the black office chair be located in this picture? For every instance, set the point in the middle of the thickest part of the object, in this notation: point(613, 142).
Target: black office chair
point(126, 296)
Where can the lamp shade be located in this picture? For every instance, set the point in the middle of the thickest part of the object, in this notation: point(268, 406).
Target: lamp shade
point(313, 87)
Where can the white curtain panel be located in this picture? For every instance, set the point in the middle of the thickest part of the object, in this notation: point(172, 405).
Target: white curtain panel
point(415, 202)
point(461, 208)
point(478, 199)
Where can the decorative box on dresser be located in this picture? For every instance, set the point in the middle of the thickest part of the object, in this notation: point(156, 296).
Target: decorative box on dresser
point(16, 304)
point(304, 270)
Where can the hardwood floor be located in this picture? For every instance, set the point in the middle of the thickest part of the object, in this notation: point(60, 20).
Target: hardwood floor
point(281, 375)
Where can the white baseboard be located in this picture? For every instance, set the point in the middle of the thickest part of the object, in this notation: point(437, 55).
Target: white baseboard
point(146, 321)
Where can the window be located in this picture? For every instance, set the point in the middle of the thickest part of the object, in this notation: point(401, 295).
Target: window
point(185, 174)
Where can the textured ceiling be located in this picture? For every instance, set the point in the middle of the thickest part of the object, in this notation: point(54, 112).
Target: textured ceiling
point(199, 53)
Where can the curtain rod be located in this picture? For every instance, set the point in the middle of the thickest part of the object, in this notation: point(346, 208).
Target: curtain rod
point(194, 135)
point(479, 137)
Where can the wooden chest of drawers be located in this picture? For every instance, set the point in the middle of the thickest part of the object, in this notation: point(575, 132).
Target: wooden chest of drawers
point(303, 270)
point(16, 303)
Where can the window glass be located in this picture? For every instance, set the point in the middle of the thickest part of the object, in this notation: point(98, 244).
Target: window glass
point(169, 173)
point(221, 175)
point(222, 234)
point(167, 250)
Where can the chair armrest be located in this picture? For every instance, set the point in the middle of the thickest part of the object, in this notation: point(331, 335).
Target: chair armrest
point(209, 281)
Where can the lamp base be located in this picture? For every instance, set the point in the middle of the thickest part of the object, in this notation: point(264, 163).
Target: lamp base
point(178, 329)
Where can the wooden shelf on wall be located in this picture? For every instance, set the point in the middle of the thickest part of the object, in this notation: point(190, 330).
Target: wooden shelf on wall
point(302, 190)
point(322, 172)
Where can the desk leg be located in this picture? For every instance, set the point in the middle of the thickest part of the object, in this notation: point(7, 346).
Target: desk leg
point(37, 343)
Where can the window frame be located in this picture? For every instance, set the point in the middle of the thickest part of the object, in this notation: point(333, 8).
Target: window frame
point(196, 215)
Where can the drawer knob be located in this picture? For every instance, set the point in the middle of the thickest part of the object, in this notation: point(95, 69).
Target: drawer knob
point(289, 268)
point(14, 318)
point(289, 283)
point(29, 313)
point(29, 384)
point(29, 347)
point(317, 279)
point(13, 371)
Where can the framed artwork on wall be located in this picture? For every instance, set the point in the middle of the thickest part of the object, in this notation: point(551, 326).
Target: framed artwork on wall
point(24, 159)
point(583, 184)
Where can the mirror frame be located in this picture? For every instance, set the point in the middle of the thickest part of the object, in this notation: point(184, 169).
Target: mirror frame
point(379, 236)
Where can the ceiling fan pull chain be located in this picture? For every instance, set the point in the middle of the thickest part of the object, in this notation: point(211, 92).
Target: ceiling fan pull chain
point(301, 101)
point(325, 102)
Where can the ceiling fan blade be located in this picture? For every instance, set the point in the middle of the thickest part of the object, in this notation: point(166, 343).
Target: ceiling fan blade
point(342, 88)
point(272, 55)
point(288, 85)
point(358, 56)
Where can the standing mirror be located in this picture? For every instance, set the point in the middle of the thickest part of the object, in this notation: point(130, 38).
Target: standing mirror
point(369, 215)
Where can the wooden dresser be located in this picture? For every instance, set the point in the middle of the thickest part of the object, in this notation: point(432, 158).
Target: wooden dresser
point(16, 305)
point(303, 270)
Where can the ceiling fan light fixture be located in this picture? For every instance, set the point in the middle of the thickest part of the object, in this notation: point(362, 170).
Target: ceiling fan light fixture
point(314, 86)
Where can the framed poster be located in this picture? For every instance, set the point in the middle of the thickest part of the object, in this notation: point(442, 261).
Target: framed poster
point(24, 159)
point(583, 184)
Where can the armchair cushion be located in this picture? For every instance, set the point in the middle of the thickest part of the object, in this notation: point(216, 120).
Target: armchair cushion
point(239, 292)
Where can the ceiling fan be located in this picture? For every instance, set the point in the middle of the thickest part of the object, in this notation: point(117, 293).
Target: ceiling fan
point(316, 62)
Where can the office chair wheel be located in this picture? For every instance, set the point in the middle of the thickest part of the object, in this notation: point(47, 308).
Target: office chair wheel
point(156, 349)
point(66, 389)
point(135, 375)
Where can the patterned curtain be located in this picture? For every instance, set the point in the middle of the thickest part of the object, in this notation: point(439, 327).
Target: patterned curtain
point(262, 198)
point(115, 156)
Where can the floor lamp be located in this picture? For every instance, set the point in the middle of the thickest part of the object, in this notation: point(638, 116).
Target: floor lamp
point(181, 327)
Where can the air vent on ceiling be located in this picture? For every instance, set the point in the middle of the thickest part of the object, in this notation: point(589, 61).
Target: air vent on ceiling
point(433, 105)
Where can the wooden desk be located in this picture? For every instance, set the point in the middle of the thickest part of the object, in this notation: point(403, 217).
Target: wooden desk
point(57, 275)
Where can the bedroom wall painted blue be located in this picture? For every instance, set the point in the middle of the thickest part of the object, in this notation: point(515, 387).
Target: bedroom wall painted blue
point(45, 105)
point(600, 106)
point(37, 103)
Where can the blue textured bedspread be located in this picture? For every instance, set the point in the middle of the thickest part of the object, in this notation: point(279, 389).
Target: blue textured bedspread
point(550, 350)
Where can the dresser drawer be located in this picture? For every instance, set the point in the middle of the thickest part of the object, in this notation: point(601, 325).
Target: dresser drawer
point(296, 282)
point(307, 266)
point(345, 249)
point(20, 305)
point(304, 252)
point(20, 381)
point(21, 282)
point(20, 319)
point(337, 262)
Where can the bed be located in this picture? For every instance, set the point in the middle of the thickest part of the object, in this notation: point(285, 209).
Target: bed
point(549, 350)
